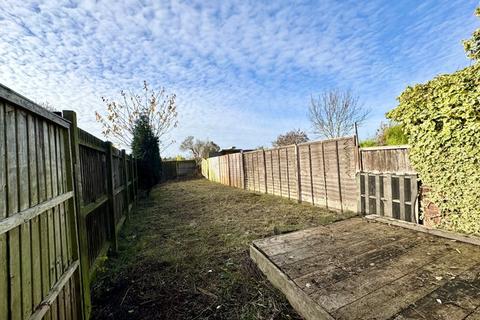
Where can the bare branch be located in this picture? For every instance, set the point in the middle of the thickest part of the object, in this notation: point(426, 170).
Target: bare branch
point(292, 137)
point(334, 113)
point(198, 148)
point(121, 116)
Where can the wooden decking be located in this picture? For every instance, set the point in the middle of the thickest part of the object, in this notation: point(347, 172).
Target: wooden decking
point(362, 269)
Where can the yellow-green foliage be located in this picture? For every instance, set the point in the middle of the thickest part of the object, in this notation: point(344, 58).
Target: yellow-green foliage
point(442, 121)
point(368, 143)
point(394, 136)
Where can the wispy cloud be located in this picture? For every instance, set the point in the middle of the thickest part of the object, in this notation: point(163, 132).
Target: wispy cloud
point(243, 71)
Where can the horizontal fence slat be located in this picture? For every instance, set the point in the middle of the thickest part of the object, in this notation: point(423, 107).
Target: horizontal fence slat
point(91, 146)
point(94, 205)
point(25, 103)
point(46, 303)
point(118, 190)
point(23, 216)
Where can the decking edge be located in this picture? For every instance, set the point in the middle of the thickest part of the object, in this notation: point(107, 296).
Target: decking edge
point(300, 301)
point(421, 228)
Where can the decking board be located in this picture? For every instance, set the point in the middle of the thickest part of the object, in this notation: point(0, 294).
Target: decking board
point(362, 269)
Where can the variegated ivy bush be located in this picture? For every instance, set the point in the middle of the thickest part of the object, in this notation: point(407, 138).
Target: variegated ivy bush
point(442, 121)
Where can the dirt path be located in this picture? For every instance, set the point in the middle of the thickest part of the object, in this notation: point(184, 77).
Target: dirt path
point(184, 255)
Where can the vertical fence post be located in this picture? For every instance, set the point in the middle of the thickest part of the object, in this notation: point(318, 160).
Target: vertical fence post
point(279, 173)
point(111, 196)
point(288, 172)
point(244, 185)
point(367, 193)
point(311, 173)
point(338, 175)
point(358, 180)
point(228, 168)
point(125, 181)
point(324, 175)
point(135, 176)
point(74, 183)
point(265, 171)
point(297, 169)
point(132, 181)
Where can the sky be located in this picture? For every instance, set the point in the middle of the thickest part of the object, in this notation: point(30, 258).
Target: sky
point(243, 71)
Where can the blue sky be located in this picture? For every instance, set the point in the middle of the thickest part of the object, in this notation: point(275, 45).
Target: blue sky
point(243, 71)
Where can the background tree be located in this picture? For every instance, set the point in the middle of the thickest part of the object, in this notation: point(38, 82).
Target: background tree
point(48, 106)
point(391, 134)
point(295, 136)
point(334, 113)
point(388, 134)
point(141, 121)
point(157, 108)
point(145, 148)
point(198, 148)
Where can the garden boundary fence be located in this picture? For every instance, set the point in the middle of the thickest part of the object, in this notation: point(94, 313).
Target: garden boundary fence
point(64, 195)
point(320, 172)
point(174, 169)
point(329, 173)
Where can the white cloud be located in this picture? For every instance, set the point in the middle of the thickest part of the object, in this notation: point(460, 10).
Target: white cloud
point(243, 72)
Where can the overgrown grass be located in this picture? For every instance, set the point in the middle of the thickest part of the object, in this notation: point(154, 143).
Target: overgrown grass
point(184, 255)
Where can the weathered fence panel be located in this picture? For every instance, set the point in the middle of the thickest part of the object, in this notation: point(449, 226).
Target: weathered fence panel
point(39, 262)
point(214, 169)
point(173, 169)
point(321, 172)
point(106, 191)
point(389, 159)
point(55, 218)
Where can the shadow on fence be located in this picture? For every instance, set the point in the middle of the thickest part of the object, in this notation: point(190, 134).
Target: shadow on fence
point(177, 169)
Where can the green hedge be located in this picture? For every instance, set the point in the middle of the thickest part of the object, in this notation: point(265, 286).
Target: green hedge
point(442, 121)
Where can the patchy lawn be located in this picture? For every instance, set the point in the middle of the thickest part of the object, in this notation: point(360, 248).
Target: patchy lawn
point(184, 255)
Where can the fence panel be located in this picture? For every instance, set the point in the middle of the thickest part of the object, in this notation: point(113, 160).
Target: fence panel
point(390, 159)
point(322, 172)
point(173, 169)
point(39, 265)
point(55, 214)
point(235, 174)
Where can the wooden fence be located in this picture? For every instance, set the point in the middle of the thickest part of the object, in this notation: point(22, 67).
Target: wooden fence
point(390, 159)
point(321, 172)
point(63, 196)
point(173, 169)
